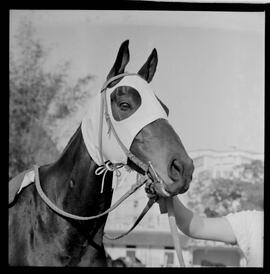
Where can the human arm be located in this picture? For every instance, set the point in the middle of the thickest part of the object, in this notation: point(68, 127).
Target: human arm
point(199, 227)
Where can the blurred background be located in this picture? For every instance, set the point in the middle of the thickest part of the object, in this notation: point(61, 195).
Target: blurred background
point(211, 76)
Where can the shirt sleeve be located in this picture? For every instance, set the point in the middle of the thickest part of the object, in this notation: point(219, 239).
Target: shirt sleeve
point(247, 227)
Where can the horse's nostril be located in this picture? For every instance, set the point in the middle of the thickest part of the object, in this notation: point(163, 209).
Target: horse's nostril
point(175, 170)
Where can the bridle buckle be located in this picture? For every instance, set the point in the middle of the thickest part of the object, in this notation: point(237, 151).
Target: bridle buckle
point(152, 174)
point(153, 179)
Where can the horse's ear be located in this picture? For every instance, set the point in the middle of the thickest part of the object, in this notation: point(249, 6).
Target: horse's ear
point(149, 68)
point(120, 63)
point(164, 106)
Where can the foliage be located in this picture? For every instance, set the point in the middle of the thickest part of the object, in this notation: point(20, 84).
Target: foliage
point(253, 171)
point(32, 92)
point(219, 196)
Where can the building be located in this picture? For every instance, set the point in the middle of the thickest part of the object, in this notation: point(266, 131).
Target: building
point(151, 241)
point(216, 164)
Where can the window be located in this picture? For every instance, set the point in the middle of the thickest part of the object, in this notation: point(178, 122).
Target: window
point(168, 258)
point(216, 257)
point(131, 252)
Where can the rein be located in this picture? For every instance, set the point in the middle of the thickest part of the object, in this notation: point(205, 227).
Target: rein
point(76, 217)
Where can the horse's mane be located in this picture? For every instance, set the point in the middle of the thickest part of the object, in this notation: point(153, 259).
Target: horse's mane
point(73, 137)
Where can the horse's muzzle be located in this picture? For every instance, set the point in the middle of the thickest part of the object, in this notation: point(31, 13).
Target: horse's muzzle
point(184, 189)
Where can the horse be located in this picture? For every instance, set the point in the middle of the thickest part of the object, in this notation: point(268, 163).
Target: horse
point(39, 236)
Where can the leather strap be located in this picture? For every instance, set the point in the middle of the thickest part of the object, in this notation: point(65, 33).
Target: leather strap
point(138, 162)
point(145, 210)
point(63, 213)
point(173, 227)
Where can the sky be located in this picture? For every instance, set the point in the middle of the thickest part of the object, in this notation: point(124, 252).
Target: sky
point(210, 65)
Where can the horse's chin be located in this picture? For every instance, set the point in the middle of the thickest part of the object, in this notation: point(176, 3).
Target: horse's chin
point(161, 191)
point(184, 189)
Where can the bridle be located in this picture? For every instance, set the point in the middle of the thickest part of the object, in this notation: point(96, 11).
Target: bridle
point(147, 170)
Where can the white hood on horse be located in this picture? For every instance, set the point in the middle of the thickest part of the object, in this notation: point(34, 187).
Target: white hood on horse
point(149, 111)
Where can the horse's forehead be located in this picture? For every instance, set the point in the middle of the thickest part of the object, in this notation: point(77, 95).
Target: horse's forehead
point(128, 82)
point(148, 111)
point(125, 90)
point(133, 93)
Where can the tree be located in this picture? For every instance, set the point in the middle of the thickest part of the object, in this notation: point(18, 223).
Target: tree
point(32, 91)
point(252, 172)
point(252, 175)
point(219, 196)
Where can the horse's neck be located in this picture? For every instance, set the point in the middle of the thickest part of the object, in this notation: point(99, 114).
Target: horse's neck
point(71, 181)
point(72, 185)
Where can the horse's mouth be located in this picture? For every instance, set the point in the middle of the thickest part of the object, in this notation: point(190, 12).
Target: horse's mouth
point(154, 189)
point(184, 189)
point(164, 190)
point(161, 190)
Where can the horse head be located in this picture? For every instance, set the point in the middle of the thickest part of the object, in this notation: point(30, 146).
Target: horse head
point(126, 108)
point(156, 141)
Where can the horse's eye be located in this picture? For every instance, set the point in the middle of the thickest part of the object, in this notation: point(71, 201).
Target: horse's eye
point(124, 106)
